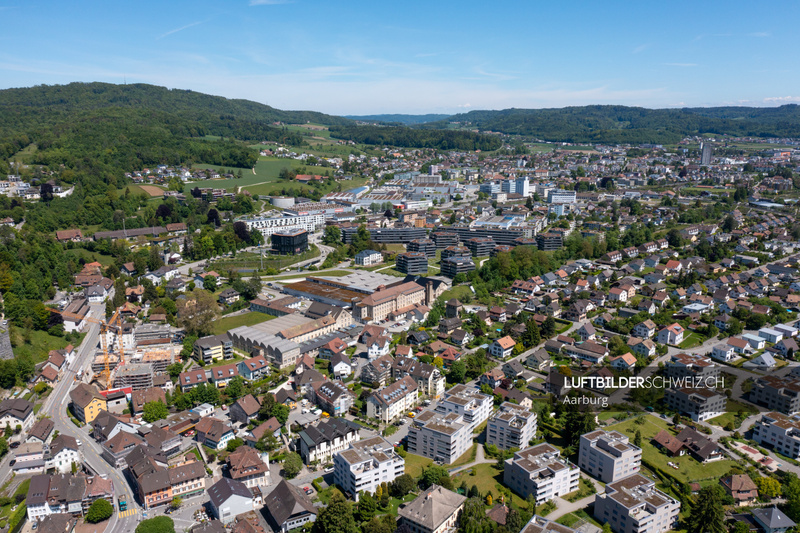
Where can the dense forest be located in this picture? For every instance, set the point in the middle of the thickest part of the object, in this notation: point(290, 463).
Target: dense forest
point(416, 138)
point(104, 130)
point(621, 124)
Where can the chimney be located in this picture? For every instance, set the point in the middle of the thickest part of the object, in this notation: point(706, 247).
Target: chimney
point(429, 294)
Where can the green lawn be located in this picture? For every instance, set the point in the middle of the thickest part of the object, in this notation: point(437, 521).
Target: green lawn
point(250, 318)
point(86, 255)
point(570, 518)
point(467, 457)
point(267, 170)
point(487, 478)
point(459, 292)
point(689, 470)
point(694, 339)
point(254, 260)
point(394, 503)
point(732, 413)
point(415, 464)
point(40, 344)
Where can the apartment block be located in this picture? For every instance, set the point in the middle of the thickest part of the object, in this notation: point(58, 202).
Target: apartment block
point(439, 436)
point(473, 406)
point(423, 246)
point(480, 246)
point(412, 263)
point(393, 402)
point(634, 505)
point(365, 465)
point(700, 404)
point(320, 442)
point(777, 393)
point(542, 472)
point(684, 365)
point(453, 266)
point(511, 427)
point(781, 431)
point(608, 456)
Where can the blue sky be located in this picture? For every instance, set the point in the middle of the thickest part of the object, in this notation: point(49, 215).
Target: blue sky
point(353, 57)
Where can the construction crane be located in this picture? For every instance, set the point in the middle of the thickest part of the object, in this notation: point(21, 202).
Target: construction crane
point(116, 320)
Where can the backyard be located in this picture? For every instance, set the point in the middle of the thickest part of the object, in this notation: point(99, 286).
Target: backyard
point(415, 464)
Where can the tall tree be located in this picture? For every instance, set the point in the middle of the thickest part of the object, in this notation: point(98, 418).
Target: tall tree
point(337, 517)
point(708, 514)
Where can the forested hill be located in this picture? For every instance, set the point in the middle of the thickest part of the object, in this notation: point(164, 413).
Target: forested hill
point(106, 129)
point(398, 119)
point(619, 124)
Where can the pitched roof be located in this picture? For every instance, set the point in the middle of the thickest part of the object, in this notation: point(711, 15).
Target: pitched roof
point(433, 507)
point(287, 501)
point(225, 488)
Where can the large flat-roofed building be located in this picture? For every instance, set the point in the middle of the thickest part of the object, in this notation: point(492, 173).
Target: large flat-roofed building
point(386, 235)
point(634, 505)
point(511, 427)
point(474, 406)
point(499, 236)
point(561, 196)
point(455, 251)
point(441, 437)
point(213, 348)
point(412, 263)
point(542, 472)
point(365, 465)
point(424, 246)
point(549, 241)
point(290, 242)
point(700, 404)
point(268, 226)
point(608, 455)
point(378, 305)
point(777, 393)
point(443, 239)
point(138, 376)
point(480, 246)
point(453, 266)
point(781, 431)
point(436, 510)
point(280, 352)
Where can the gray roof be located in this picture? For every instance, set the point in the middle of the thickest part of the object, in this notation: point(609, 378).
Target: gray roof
point(222, 490)
point(287, 501)
point(328, 430)
point(37, 491)
point(772, 518)
point(433, 507)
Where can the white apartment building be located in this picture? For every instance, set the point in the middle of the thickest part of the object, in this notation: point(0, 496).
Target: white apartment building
point(441, 437)
point(700, 404)
point(511, 427)
point(393, 402)
point(781, 431)
point(608, 456)
point(268, 226)
point(320, 442)
point(542, 472)
point(561, 196)
point(365, 465)
point(64, 451)
point(634, 505)
point(473, 406)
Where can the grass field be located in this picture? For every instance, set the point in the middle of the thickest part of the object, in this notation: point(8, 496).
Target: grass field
point(415, 464)
point(694, 339)
point(86, 255)
point(487, 478)
point(254, 260)
point(460, 292)
point(40, 345)
point(689, 470)
point(250, 318)
point(467, 457)
point(731, 413)
point(570, 518)
point(152, 190)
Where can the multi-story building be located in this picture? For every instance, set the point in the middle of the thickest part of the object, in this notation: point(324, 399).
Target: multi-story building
point(63, 452)
point(412, 263)
point(634, 505)
point(377, 371)
point(781, 431)
point(423, 246)
point(213, 348)
point(391, 403)
point(378, 305)
point(428, 377)
point(480, 246)
point(561, 196)
point(453, 266)
point(288, 508)
point(695, 366)
point(320, 442)
point(436, 510)
point(549, 241)
point(249, 467)
point(441, 437)
point(542, 472)
point(289, 242)
point(608, 455)
point(511, 427)
point(365, 465)
point(65, 493)
point(86, 402)
point(268, 226)
point(474, 406)
point(17, 412)
point(444, 239)
point(368, 258)
point(333, 397)
point(455, 251)
point(777, 393)
point(700, 404)
point(386, 235)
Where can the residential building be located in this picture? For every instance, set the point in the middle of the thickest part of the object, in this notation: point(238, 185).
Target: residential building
point(288, 508)
point(672, 334)
point(634, 505)
point(365, 465)
point(412, 263)
point(245, 409)
point(502, 348)
point(378, 305)
point(377, 371)
point(429, 379)
point(435, 510)
point(694, 366)
point(453, 266)
point(474, 406)
point(699, 404)
point(228, 499)
point(213, 432)
point(86, 402)
point(249, 466)
point(608, 455)
point(780, 431)
point(391, 403)
point(741, 488)
point(772, 520)
point(319, 443)
point(63, 453)
point(333, 397)
point(542, 472)
point(438, 436)
point(777, 393)
point(368, 258)
point(511, 427)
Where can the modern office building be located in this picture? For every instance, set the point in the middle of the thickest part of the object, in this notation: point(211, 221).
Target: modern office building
point(634, 505)
point(453, 266)
point(424, 246)
point(542, 472)
point(561, 196)
point(365, 465)
point(608, 455)
point(412, 263)
point(511, 427)
point(290, 242)
point(480, 246)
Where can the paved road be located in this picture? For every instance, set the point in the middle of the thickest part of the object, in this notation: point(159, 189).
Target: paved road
point(56, 407)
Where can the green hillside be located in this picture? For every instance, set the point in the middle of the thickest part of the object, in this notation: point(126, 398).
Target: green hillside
point(620, 124)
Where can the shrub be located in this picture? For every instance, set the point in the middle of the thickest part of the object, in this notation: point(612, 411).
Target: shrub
point(99, 510)
point(5, 500)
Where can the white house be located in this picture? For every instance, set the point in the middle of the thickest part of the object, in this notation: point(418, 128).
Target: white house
point(502, 348)
point(756, 342)
point(672, 334)
point(228, 499)
point(379, 347)
point(722, 352)
point(770, 335)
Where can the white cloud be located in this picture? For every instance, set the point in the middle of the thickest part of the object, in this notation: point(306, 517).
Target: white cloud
point(782, 99)
point(176, 30)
